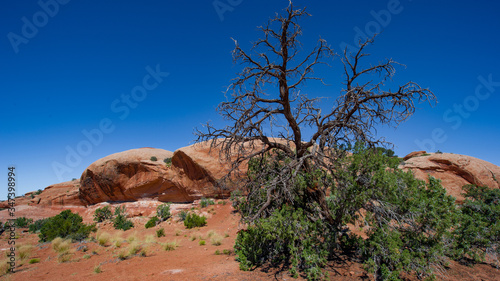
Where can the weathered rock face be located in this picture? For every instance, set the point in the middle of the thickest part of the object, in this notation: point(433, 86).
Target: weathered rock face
point(128, 176)
point(132, 175)
point(454, 171)
point(61, 194)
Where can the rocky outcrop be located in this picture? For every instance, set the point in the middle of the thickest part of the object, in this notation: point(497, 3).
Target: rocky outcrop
point(454, 171)
point(129, 176)
point(61, 194)
point(414, 154)
point(132, 175)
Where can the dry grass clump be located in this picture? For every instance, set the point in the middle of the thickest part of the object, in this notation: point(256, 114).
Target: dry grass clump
point(103, 238)
point(150, 239)
point(132, 237)
point(170, 246)
point(25, 251)
point(215, 238)
point(4, 267)
point(60, 245)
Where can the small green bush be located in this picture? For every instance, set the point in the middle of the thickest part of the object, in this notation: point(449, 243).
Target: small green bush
point(152, 222)
point(205, 202)
point(193, 220)
point(120, 221)
point(35, 260)
point(22, 222)
point(103, 214)
point(160, 233)
point(168, 161)
point(36, 226)
point(163, 211)
point(153, 158)
point(65, 225)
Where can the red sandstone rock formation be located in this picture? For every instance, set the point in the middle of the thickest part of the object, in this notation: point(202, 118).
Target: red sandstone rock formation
point(454, 171)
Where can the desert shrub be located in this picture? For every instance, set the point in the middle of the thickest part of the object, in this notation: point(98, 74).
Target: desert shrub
point(479, 230)
point(193, 220)
point(103, 214)
point(65, 225)
point(409, 221)
point(163, 211)
point(160, 233)
point(97, 269)
point(202, 243)
point(36, 226)
point(38, 192)
point(120, 221)
point(22, 222)
point(35, 260)
point(152, 222)
point(286, 237)
point(205, 202)
point(168, 161)
point(153, 158)
point(182, 215)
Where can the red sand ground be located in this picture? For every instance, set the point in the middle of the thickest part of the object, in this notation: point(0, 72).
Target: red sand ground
point(189, 261)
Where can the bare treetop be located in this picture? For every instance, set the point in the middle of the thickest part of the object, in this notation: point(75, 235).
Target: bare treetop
point(265, 104)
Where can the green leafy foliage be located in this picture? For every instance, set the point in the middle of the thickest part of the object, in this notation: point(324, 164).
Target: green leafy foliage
point(160, 233)
point(120, 221)
point(163, 211)
point(65, 225)
point(36, 226)
point(205, 202)
point(22, 222)
point(479, 230)
point(153, 158)
point(408, 221)
point(168, 161)
point(103, 214)
point(193, 220)
point(286, 237)
point(152, 222)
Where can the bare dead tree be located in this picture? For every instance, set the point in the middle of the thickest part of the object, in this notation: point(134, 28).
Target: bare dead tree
point(267, 112)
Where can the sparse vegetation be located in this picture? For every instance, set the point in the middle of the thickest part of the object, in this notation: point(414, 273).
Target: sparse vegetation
point(205, 202)
point(182, 215)
point(22, 222)
point(65, 225)
point(35, 260)
point(152, 222)
point(216, 240)
point(103, 214)
point(201, 242)
point(170, 246)
point(153, 158)
point(163, 211)
point(97, 269)
point(160, 233)
point(120, 221)
point(60, 245)
point(193, 220)
point(24, 251)
point(103, 238)
point(168, 161)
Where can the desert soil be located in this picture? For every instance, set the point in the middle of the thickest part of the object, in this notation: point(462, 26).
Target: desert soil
point(189, 261)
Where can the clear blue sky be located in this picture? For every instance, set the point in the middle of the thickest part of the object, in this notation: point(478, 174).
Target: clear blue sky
point(68, 66)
